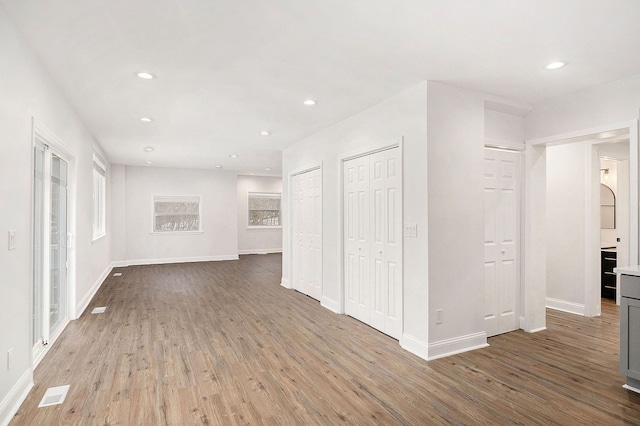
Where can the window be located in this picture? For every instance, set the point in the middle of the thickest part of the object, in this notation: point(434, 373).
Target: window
point(99, 197)
point(264, 209)
point(176, 214)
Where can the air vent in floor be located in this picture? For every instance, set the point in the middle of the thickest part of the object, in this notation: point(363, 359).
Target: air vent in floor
point(99, 310)
point(54, 396)
point(117, 274)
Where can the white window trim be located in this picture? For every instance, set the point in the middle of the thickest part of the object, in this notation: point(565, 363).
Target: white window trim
point(176, 198)
point(265, 194)
point(99, 231)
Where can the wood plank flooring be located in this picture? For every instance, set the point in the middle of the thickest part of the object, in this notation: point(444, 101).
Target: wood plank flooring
point(224, 343)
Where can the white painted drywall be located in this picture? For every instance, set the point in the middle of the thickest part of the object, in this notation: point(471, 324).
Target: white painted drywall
point(257, 240)
point(400, 118)
point(608, 104)
point(456, 211)
point(117, 206)
point(503, 127)
point(27, 92)
point(566, 206)
point(219, 239)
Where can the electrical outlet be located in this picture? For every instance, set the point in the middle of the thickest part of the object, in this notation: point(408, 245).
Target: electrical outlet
point(439, 316)
point(9, 358)
point(12, 240)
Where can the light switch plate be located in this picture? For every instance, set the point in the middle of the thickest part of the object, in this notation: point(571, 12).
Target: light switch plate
point(12, 240)
point(411, 230)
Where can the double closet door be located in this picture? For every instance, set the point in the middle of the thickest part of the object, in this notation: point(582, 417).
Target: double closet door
point(307, 233)
point(373, 240)
point(50, 230)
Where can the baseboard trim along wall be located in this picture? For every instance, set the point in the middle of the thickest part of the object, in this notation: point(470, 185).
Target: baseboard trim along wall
point(285, 283)
point(16, 396)
point(138, 262)
point(330, 304)
point(457, 345)
point(415, 346)
point(260, 251)
point(565, 306)
point(82, 305)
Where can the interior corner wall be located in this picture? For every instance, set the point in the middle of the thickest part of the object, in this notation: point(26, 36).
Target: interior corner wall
point(256, 240)
point(566, 246)
point(456, 215)
point(27, 91)
point(400, 119)
point(217, 241)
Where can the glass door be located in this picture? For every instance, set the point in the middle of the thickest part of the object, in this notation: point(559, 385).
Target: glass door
point(50, 223)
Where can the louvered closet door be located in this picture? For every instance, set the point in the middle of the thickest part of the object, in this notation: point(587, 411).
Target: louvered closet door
point(307, 233)
point(373, 240)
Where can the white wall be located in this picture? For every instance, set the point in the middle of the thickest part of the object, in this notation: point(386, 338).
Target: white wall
point(503, 127)
point(456, 214)
point(27, 91)
point(117, 207)
point(400, 118)
point(566, 205)
point(219, 239)
point(611, 103)
point(257, 240)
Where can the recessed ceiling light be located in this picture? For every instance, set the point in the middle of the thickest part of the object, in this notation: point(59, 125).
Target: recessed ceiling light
point(149, 162)
point(265, 133)
point(251, 174)
point(146, 119)
point(555, 65)
point(218, 166)
point(268, 169)
point(146, 75)
point(233, 155)
point(148, 148)
point(309, 102)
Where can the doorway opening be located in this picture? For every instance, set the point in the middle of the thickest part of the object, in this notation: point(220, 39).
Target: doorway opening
point(52, 224)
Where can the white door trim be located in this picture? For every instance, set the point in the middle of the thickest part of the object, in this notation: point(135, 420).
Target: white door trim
point(40, 132)
point(535, 281)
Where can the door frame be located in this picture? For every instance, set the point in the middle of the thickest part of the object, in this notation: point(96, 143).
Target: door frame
point(519, 149)
point(535, 210)
point(350, 156)
point(40, 132)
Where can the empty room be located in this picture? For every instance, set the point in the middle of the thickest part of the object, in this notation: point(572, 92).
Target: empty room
point(319, 212)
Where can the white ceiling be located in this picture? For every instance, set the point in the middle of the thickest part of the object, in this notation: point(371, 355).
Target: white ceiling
point(227, 70)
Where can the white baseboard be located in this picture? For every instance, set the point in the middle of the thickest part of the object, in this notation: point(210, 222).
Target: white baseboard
point(565, 306)
point(119, 264)
point(178, 260)
point(260, 251)
point(82, 305)
point(457, 345)
point(535, 330)
point(415, 346)
point(330, 304)
point(16, 396)
point(285, 283)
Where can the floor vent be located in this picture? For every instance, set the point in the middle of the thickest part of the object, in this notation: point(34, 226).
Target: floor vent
point(117, 274)
point(99, 310)
point(54, 396)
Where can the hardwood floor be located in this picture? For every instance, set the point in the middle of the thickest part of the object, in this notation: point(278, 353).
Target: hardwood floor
point(224, 343)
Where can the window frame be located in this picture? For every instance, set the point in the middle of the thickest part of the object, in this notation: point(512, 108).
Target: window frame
point(264, 194)
point(175, 199)
point(99, 182)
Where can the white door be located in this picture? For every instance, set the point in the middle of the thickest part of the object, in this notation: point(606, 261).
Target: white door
point(307, 233)
point(373, 240)
point(502, 232)
point(49, 246)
